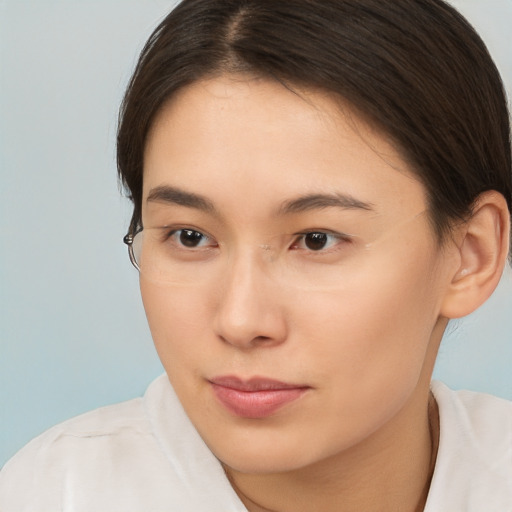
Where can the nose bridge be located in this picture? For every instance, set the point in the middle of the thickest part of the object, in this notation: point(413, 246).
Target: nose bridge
point(248, 309)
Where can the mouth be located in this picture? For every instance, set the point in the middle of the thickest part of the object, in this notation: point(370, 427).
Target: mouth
point(256, 397)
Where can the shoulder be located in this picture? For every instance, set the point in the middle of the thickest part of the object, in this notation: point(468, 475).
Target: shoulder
point(110, 422)
point(486, 418)
point(93, 427)
point(72, 451)
point(474, 463)
point(142, 454)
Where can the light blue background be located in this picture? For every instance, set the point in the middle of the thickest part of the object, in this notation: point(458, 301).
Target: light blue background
point(73, 334)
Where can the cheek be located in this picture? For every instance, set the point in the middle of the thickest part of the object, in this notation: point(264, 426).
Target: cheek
point(377, 329)
point(178, 318)
point(364, 351)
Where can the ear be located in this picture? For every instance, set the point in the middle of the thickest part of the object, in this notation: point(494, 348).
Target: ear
point(482, 245)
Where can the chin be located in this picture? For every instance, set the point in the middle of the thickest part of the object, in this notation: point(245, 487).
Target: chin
point(263, 463)
point(266, 452)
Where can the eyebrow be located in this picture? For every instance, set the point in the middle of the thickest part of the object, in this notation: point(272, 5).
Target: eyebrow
point(320, 201)
point(309, 202)
point(173, 195)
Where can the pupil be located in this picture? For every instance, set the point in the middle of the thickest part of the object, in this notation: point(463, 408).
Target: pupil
point(315, 241)
point(190, 238)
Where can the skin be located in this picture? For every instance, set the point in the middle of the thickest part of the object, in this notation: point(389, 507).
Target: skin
point(361, 332)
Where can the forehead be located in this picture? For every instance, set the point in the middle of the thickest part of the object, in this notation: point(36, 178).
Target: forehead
point(257, 138)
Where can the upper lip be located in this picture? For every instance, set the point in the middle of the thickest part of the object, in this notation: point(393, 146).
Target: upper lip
point(253, 383)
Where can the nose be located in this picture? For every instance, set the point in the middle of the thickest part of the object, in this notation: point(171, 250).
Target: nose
point(249, 310)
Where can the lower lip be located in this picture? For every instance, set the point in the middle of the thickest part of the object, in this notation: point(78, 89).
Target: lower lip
point(256, 404)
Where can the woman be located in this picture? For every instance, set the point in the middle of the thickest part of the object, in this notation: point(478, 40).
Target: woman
point(318, 187)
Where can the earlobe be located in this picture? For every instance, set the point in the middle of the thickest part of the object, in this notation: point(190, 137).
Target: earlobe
point(483, 244)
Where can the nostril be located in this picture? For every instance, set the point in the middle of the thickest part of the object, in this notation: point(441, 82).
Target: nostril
point(262, 339)
point(248, 343)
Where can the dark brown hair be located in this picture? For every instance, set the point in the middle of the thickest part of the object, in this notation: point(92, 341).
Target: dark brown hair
point(414, 68)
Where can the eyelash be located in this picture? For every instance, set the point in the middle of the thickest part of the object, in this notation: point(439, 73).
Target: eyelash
point(336, 238)
point(173, 232)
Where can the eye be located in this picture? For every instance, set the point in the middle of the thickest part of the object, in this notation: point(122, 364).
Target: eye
point(190, 238)
point(318, 241)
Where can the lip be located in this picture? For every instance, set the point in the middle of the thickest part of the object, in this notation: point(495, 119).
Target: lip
point(257, 397)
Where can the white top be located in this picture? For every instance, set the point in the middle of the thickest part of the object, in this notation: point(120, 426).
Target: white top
point(145, 455)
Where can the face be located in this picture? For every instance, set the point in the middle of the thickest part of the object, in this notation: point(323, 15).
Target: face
point(298, 285)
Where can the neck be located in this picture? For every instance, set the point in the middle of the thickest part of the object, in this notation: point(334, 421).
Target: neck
point(389, 471)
